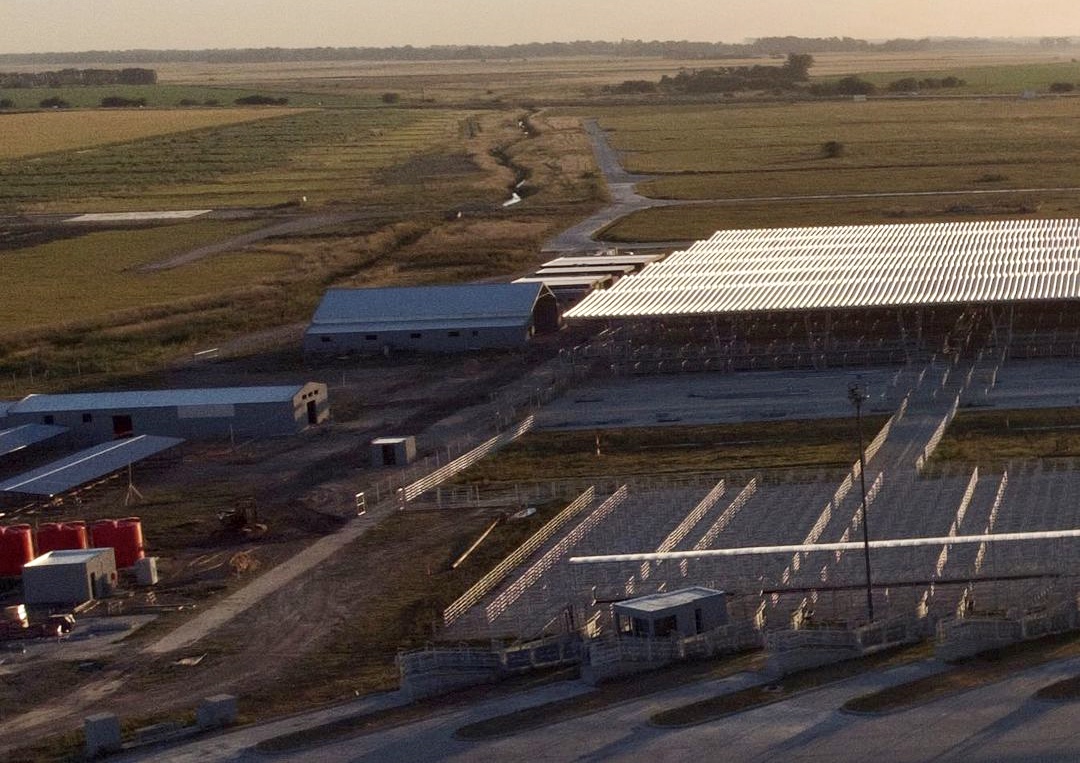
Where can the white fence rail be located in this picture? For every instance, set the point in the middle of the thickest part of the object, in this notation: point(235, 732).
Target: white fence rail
point(689, 522)
point(980, 557)
point(935, 438)
point(437, 477)
point(503, 601)
point(490, 581)
point(722, 521)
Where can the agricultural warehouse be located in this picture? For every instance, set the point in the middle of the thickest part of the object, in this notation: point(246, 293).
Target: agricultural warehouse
point(431, 318)
point(192, 414)
point(831, 287)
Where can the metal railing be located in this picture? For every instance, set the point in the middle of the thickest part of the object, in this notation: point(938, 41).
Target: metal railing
point(460, 464)
point(553, 555)
point(500, 572)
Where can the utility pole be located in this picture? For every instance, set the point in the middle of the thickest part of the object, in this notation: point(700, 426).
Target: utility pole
point(857, 395)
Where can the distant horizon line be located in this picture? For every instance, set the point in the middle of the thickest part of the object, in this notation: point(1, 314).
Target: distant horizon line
point(1015, 39)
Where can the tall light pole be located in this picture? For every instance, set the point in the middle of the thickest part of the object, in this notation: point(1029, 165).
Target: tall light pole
point(857, 395)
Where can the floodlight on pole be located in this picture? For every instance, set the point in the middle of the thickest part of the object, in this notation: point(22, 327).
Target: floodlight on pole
point(856, 394)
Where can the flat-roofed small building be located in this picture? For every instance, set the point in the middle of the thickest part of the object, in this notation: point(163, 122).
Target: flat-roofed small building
point(431, 318)
point(69, 577)
point(685, 612)
point(192, 414)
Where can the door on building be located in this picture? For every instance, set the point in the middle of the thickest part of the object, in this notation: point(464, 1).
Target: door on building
point(122, 427)
point(312, 412)
point(389, 455)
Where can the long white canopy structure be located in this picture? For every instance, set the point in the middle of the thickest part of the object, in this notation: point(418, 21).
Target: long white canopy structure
point(854, 266)
point(81, 468)
point(803, 548)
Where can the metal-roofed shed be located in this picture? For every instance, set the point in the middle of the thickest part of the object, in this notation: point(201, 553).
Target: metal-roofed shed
point(69, 577)
point(853, 267)
point(685, 612)
point(637, 260)
point(27, 435)
point(193, 414)
point(431, 318)
point(86, 466)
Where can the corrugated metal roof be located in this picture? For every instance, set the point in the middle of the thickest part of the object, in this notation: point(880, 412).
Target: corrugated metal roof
point(590, 280)
point(68, 556)
point(666, 600)
point(607, 259)
point(432, 307)
point(87, 465)
point(586, 270)
point(18, 438)
point(853, 266)
point(420, 326)
point(158, 398)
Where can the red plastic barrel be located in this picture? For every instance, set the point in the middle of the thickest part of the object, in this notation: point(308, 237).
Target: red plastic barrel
point(130, 548)
point(16, 549)
point(123, 536)
point(103, 533)
point(59, 536)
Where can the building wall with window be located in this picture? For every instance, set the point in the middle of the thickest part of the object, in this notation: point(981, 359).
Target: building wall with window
point(681, 613)
point(431, 319)
point(192, 414)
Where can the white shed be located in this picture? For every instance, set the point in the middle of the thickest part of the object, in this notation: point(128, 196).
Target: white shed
point(685, 612)
point(69, 577)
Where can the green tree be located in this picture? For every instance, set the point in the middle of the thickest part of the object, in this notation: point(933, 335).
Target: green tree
point(797, 66)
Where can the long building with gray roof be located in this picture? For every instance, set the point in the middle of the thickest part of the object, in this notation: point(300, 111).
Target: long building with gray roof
point(194, 414)
point(431, 318)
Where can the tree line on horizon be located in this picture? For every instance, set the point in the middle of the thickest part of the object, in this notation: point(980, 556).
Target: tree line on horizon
point(62, 77)
point(681, 49)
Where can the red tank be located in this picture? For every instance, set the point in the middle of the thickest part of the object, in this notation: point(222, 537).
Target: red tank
point(130, 548)
point(16, 549)
point(60, 536)
point(123, 536)
point(103, 533)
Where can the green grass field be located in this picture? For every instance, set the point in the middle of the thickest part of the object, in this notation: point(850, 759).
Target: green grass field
point(997, 437)
point(673, 450)
point(169, 95)
point(701, 221)
point(53, 279)
point(765, 150)
point(995, 78)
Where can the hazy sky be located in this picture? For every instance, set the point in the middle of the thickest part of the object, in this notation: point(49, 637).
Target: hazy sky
point(63, 25)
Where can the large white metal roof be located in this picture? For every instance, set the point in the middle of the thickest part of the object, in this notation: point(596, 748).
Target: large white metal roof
point(854, 266)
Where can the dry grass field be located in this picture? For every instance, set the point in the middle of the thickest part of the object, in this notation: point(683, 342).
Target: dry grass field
point(385, 156)
point(32, 133)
